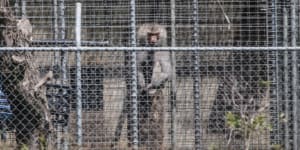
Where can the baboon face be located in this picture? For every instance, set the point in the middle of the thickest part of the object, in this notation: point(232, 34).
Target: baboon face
point(153, 39)
point(152, 35)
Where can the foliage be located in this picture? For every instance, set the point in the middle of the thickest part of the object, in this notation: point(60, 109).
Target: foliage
point(213, 147)
point(24, 147)
point(244, 122)
point(276, 147)
point(247, 125)
point(42, 142)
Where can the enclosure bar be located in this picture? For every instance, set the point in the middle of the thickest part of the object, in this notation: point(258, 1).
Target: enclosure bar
point(133, 87)
point(196, 77)
point(55, 26)
point(56, 63)
point(55, 20)
point(64, 60)
point(286, 79)
point(62, 18)
point(275, 103)
point(17, 8)
point(173, 23)
point(78, 76)
point(23, 8)
point(274, 22)
point(68, 42)
point(64, 55)
point(173, 80)
point(82, 48)
point(295, 75)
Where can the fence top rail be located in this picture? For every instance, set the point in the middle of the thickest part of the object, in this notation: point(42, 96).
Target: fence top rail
point(149, 48)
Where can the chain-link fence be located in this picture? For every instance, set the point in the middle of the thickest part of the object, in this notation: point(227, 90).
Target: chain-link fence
point(72, 76)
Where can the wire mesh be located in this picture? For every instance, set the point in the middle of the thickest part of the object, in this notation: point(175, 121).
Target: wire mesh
point(222, 99)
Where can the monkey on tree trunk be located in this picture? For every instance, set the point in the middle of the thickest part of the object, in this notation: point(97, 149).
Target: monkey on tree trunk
point(154, 70)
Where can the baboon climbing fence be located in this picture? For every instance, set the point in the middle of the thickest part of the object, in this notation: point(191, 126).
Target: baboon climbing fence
point(71, 82)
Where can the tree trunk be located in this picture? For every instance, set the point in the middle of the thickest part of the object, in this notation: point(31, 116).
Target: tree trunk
point(22, 84)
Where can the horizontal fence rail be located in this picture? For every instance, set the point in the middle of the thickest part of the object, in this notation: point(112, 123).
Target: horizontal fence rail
point(296, 48)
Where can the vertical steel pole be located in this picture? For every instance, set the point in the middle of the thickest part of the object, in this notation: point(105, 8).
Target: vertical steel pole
point(286, 79)
point(56, 62)
point(62, 18)
point(295, 75)
point(55, 20)
point(64, 60)
point(23, 8)
point(173, 82)
point(64, 55)
point(78, 76)
point(274, 22)
point(133, 87)
point(275, 78)
point(196, 77)
point(55, 26)
point(17, 8)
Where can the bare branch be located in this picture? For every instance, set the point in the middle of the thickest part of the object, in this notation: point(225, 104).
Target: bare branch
point(225, 15)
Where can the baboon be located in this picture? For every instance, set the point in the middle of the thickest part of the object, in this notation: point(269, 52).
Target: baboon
point(153, 70)
point(158, 63)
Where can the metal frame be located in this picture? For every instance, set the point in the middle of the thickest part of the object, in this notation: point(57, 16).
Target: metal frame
point(195, 49)
point(83, 48)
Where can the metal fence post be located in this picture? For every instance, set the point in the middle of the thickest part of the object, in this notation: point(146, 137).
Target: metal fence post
point(78, 76)
point(133, 87)
point(64, 60)
point(17, 8)
point(196, 77)
point(64, 55)
point(23, 8)
point(56, 63)
point(55, 26)
point(274, 103)
point(173, 80)
point(294, 75)
point(55, 20)
point(286, 79)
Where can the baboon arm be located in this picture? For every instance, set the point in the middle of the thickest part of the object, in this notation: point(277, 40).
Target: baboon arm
point(161, 72)
point(141, 80)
